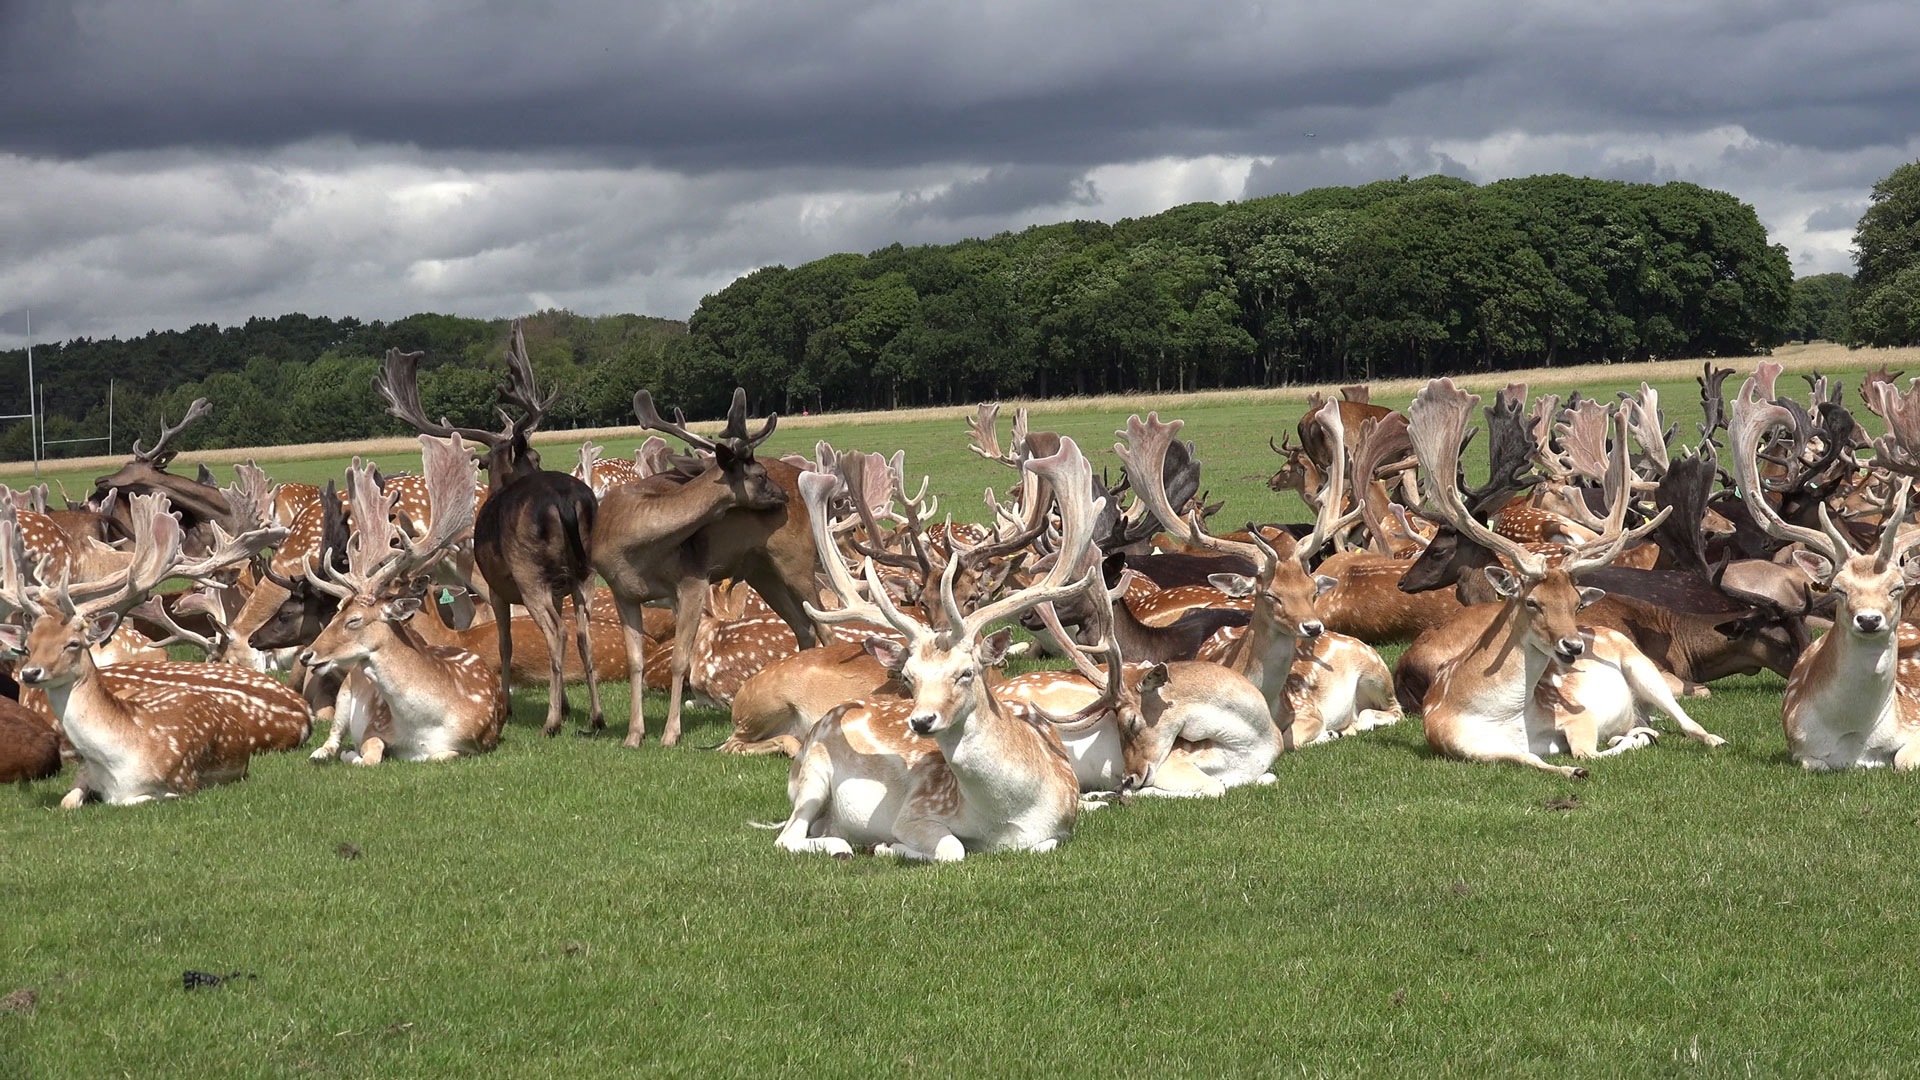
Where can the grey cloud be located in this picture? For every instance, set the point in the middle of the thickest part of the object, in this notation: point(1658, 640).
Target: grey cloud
point(1837, 216)
point(1003, 190)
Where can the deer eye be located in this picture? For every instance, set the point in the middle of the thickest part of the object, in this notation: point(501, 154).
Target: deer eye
point(76, 646)
point(1896, 590)
point(1532, 604)
point(355, 622)
point(964, 677)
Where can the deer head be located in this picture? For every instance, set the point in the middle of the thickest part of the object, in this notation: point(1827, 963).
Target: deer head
point(380, 588)
point(945, 668)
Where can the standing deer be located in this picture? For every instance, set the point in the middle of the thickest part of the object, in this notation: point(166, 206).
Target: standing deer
point(951, 769)
point(1536, 682)
point(665, 537)
point(529, 538)
point(152, 730)
point(436, 702)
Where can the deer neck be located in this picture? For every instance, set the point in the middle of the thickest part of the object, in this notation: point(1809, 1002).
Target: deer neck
point(1862, 670)
point(86, 702)
point(1503, 667)
point(1264, 654)
point(407, 676)
point(997, 759)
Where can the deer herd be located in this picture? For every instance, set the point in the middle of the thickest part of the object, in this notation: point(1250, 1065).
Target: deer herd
point(1602, 574)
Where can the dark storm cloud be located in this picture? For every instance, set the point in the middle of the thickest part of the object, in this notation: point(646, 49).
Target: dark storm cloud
point(164, 162)
point(750, 84)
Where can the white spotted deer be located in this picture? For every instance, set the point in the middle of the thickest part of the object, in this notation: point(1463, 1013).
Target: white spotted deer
point(1853, 700)
point(952, 769)
point(143, 731)
point(1535, 681)
point(436, 702)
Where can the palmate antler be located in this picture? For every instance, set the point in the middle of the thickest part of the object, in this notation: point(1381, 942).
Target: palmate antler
point(1438, 421)
point(1754, 417)
point(734, 437)
point(1066, 473)
point(1644, 419)
point(381, 559)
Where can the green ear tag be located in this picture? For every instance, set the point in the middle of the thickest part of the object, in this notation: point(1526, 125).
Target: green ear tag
point(446, 596)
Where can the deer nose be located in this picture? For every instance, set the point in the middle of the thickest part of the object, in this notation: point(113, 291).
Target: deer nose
point(921, 723)
point(1869, 622)
point(306, 658)
point(1572, 647)
point(32, 674)
point(1312, 629)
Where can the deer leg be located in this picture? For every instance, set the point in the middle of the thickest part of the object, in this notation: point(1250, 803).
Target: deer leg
point(633, 633)
point(74, 799)
point(1524, 757)
point(686, 624)
point(1179, 777)
point(923, 839)
point(503, 625)
point(1907, 758)
point(812, 788)
point(546, 618)
point(1649, 687)
point(597, 720)
point(787, 605)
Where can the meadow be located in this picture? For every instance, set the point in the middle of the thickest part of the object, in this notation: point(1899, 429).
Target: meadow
point(568, 908)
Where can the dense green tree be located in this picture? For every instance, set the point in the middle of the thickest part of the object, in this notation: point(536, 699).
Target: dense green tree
point(1886, 251)
point(1819, 308)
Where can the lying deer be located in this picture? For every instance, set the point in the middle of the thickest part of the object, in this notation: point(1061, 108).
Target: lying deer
point(952, 769)
point(440, 702)
point(1853, 700)
point(154, 730)
point(1496, 701)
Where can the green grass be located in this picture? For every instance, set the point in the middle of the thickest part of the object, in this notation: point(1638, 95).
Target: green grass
point(568, 908)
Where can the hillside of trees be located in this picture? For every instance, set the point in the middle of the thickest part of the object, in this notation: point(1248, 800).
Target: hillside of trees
point(1400, 277)
point(298, 379)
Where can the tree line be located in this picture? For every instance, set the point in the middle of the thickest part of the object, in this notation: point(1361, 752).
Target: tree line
point(1396, 278)
point(298, 379)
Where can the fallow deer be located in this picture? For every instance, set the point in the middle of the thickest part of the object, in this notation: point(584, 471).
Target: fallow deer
point(665, 537)
point(154, 730)
point(530, 535)
point(1347, 683)
point(439, 702)
point(1498, 701)
point(1853, 699)
point(952, 769)
point(197, 503)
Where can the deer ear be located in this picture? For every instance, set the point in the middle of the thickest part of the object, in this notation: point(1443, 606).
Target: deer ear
point(891, 654)
point(1910, 572)
point(1235, 585)
point(1590, 596)
point(1813, 565)
point(13, 638)
point(401, 609)
point(1322, 585)
point(1154, 679)
point(1503, 581)
point(101, 627)
point(993, 648)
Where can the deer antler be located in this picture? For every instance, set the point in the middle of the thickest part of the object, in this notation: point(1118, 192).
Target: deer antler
point(1754, 416)
point(1070, 478)
point(398, 384)
point(1583, 432)
point(159, 456)
point(1437, 423)
point(521, 389)
point(1644, 419)
point(1614, 536)
point(817, 491)
point(1899, 449)
point(1713, 405)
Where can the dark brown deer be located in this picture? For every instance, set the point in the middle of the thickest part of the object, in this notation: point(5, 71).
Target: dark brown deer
point(530, 536)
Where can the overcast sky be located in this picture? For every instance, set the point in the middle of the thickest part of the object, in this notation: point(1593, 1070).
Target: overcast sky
point(167, 162)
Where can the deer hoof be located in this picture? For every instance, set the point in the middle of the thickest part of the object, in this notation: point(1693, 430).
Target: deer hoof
point(1578, 774)
point(631, 742)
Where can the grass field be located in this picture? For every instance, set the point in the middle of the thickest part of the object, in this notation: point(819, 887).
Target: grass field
point(567, 908)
